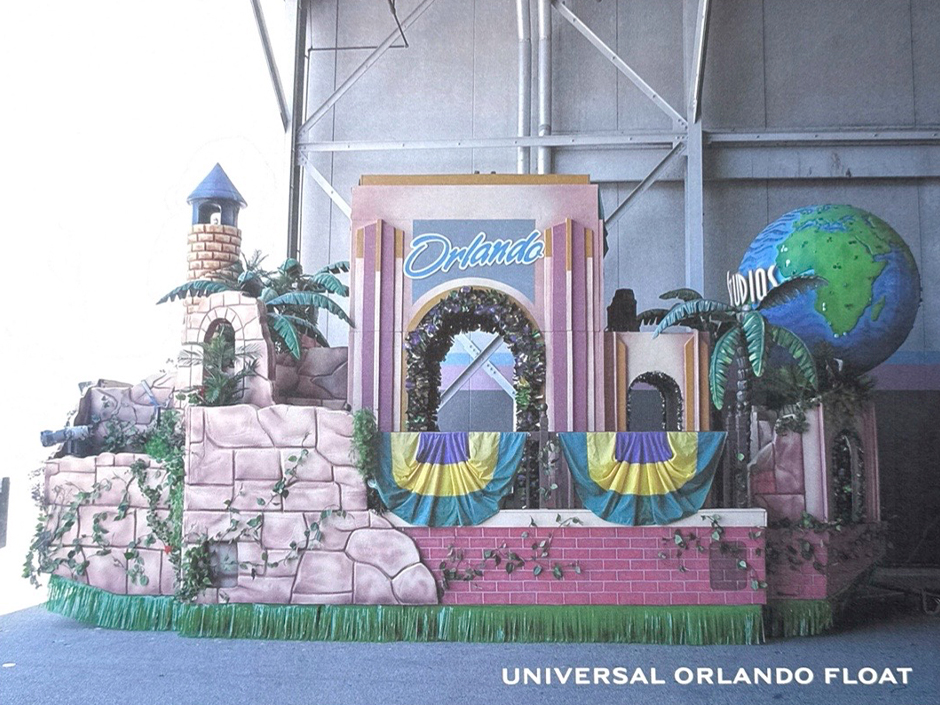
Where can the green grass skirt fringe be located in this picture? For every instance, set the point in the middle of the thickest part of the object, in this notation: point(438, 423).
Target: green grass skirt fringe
point(487, 623)
point(787, 618)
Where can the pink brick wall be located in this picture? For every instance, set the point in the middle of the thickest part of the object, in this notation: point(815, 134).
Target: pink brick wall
point(838, 558)
point(619, 565)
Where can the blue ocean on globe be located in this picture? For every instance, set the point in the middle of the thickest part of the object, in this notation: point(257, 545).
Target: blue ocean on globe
point(866, 309)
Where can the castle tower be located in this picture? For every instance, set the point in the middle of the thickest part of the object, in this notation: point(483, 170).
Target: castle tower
point(215, 240)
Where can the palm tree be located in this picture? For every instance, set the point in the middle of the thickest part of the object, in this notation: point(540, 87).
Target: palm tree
point(742, 334)
point(292, 298)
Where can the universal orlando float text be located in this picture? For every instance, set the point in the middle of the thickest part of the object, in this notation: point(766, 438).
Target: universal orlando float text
point(622, 675)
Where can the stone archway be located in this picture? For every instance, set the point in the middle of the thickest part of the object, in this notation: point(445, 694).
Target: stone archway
point(463, 310)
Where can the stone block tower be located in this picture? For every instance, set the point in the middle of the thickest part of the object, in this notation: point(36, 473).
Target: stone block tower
point(215, 240)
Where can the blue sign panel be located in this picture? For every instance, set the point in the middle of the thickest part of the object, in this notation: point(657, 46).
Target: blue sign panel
point(444, 250)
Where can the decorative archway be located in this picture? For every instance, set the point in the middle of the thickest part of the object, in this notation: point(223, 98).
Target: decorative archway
point(848, 478)
point(671, 395)
point(461, 311)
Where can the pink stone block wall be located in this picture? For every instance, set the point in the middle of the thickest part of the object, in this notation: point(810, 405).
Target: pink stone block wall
point(619, 566)
point(262, 479)
point(110, 472)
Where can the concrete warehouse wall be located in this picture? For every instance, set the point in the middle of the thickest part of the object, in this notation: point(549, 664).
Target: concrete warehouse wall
point(778, 64)
point(771, 65)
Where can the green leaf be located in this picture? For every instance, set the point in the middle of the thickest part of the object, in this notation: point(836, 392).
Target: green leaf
point(683, 294)
point(536, 570)
point(200, 287)
point(334, 268)
point(722, 358)
point(792, 343)
point(754, 328)
point(651, 316)
point(791, 289)
point(510, 566)
point(742, 564)
point(310, 298)
point(329, 283)
point(692, 311)
point(557, 572)
point(284, 329)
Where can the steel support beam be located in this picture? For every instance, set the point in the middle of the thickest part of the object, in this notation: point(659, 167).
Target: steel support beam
point(271, 63)
point(327, 187)
point(641, 187)
point(698, 60)
point(621, 65)
point(474, 351)
point(524, 108)
point(363, 67)
point(694, 210)
point(299, 81)
point(470, 370)
point(544, 152)
point(643, 140)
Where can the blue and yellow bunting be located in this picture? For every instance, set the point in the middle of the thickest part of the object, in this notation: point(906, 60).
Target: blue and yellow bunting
point(447, 479)
point(643, 478)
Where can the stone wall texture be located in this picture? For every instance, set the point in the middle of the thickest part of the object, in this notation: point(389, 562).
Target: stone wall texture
point(133, 406)
point(121, 525)
point(240, 459)
point(619, 566)
point(248, 319)
point(317, 378)
point(212, 248)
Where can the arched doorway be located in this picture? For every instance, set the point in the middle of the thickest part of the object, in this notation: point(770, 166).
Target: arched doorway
point(654, 403)
point(463, 311)
point(848, 478)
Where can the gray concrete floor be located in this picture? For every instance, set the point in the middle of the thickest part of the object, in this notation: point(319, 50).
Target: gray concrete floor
point(59, 661)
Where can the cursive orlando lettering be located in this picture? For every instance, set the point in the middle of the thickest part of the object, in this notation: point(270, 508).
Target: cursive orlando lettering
point(433, 252)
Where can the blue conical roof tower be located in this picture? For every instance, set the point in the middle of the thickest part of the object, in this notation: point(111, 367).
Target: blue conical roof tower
point(216, 194)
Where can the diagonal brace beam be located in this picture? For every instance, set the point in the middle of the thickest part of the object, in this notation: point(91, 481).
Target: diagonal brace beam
point(641, 187)
point(470, 370)
point(698, 59)
point(621, 65)
point(490, 369)
point(272, 64)
point(363, 67)
point(324, 183)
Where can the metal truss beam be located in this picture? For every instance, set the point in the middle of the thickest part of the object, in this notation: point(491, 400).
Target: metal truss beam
point(641, 187)
point(474, 351)
point(621, 65)
point(825, 136)
point(637, 139)
point(327, 187)
point(272, 64)
point(363, 67)
point(470, 370)
point(698, 60)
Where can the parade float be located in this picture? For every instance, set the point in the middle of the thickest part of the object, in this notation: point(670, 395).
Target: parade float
point(501, 453)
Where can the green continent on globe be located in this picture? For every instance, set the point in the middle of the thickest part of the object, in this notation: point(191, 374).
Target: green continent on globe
point(848, 249)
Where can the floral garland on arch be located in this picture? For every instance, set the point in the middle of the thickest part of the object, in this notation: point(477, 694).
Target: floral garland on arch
point(463, 310)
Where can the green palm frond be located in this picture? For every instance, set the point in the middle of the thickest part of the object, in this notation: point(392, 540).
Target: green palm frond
point(310, 298)
point(200, 287)
point(790, 289)
point(683, 294)
point(324, 281)
point(692, 311)
point(334, 268)
point(651, 316)
point(309, 328)
point(722, 357)
point(285, 330)
point(755, 335)
point(794, 345)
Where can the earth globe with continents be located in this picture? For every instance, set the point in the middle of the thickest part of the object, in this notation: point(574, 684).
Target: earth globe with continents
point(867, 307)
